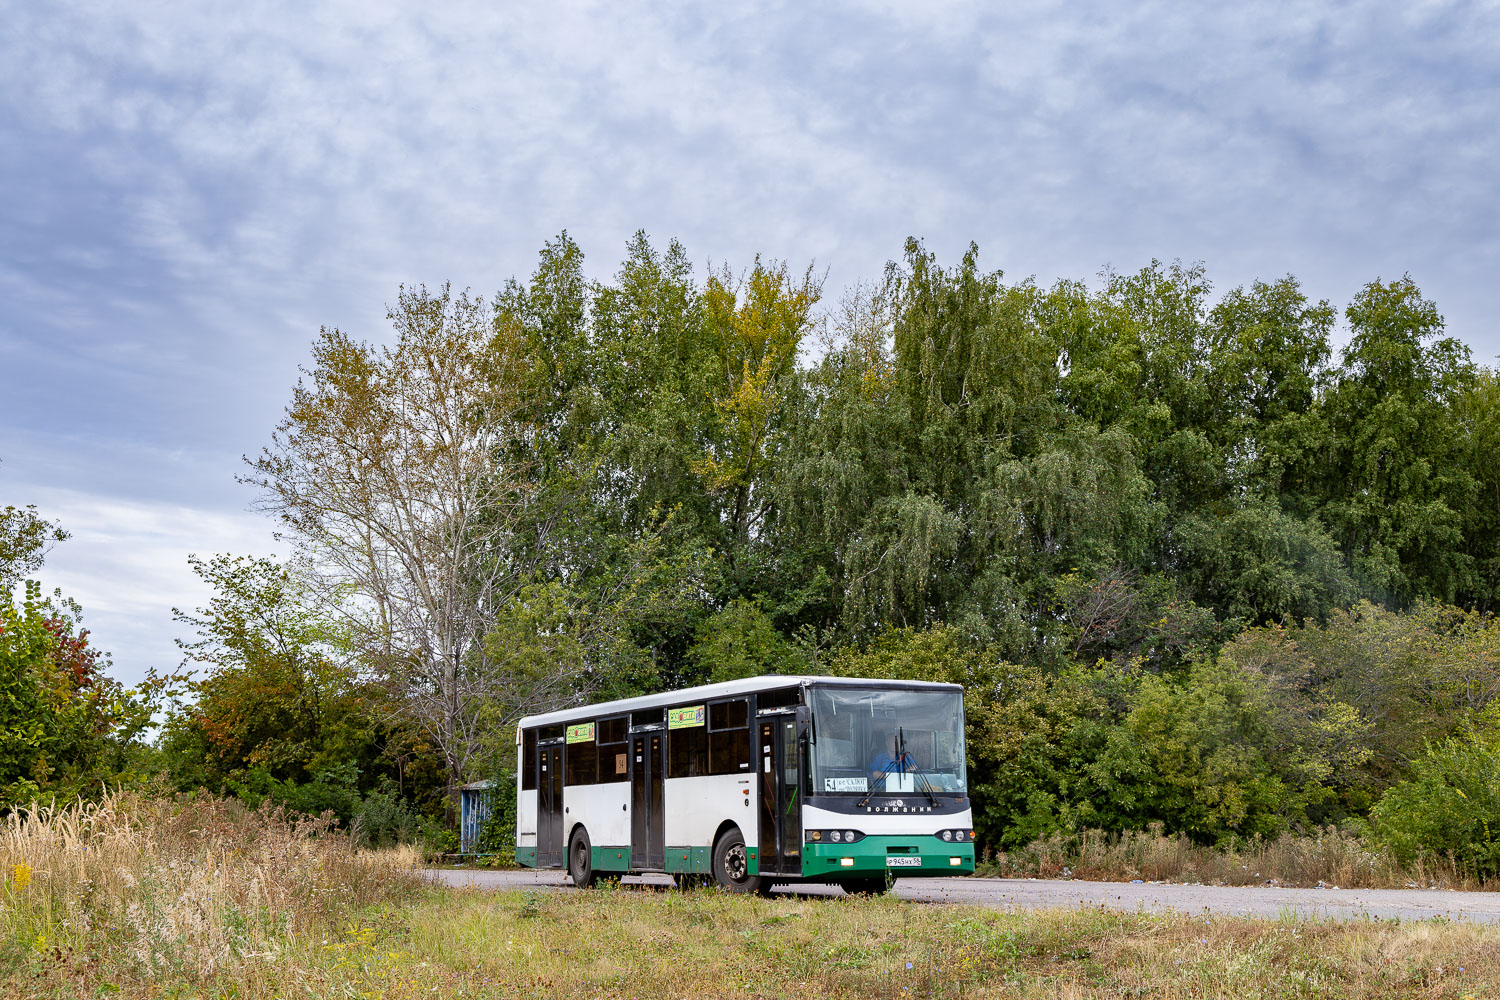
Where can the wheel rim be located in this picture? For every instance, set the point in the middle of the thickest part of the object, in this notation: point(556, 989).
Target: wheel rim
point(580, 859)
point(736, 865)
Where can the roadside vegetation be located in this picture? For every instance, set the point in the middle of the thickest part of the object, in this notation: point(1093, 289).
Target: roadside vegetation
point(164, 893)
point(1328, 858)
point(1197, 569)
point(204, 898)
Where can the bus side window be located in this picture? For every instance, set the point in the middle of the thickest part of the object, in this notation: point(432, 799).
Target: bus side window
point(687, 752)
point(581, 763)
point(613, 759)
point(528, 760)
point(729, 737)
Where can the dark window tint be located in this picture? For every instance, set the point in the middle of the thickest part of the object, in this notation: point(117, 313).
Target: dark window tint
point(650, 717)
point(582, 765)
point(729, 714)
point(528, 759)
point(779, 699)
point(614, 760)
point(550, 733)
point(612, 730)
point(687, 751)
point(729, 751)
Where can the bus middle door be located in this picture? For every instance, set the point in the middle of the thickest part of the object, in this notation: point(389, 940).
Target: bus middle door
point(647, 822)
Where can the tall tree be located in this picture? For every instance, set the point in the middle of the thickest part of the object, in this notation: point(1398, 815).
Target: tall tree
point(393, 472)
point(1392, 473)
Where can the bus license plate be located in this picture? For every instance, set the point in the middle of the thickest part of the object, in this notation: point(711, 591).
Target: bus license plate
point(903, 861)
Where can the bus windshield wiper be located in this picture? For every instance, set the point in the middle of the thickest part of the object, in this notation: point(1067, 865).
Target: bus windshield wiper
point(926, 785)
point(884, 772)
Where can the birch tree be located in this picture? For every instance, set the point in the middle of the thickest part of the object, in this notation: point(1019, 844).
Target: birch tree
point(391, 472)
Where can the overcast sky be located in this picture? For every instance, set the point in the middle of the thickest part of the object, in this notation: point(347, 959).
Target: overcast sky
point(187, 192)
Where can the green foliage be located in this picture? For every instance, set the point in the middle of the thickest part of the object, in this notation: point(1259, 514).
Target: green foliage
point(742, 641)
point(25, 538)
point(66, 728)
point(283, 713)
point(1395, 485)
point(1192, 567)
point(1450, 806)
point(1196, 755)
point(1258, 563)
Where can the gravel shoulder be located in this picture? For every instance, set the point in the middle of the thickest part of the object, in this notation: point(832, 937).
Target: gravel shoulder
point(1011, 894)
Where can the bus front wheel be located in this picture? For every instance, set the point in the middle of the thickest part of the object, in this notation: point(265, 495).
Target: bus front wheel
point(581, 860)
point(732, 864)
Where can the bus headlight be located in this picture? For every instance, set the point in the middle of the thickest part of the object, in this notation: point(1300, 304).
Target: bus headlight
point(835, 836)
point(947, 834)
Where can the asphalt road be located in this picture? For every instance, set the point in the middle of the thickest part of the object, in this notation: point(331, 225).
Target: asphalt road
point(1009, 894)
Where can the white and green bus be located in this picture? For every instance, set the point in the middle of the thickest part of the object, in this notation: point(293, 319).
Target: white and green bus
point(751, 782)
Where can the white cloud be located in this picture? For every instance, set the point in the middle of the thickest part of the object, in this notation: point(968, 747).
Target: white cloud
point(188, 192)
point(126, 565)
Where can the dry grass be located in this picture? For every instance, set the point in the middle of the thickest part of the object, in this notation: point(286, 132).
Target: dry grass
point(198, 897)
point(1329, 857)
point(644, 944)
point(631, 943)
point(183, 890)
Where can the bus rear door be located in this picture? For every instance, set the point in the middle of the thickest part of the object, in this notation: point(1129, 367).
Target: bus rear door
point(549, 805)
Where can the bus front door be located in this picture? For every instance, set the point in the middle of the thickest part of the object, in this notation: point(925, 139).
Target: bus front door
point(647, 769)
point(549, 812)
point(780, 798)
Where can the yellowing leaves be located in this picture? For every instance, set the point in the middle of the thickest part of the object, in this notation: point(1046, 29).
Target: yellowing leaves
point(757, 323)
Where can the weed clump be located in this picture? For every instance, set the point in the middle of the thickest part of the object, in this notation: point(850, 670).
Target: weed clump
point(189, 888)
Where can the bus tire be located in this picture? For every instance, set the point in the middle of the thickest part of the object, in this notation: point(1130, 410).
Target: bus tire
point(867, 886)
point(581, 860)
point(732, 864)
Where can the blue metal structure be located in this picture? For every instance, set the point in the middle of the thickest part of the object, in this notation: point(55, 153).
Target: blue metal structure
point(474, 802)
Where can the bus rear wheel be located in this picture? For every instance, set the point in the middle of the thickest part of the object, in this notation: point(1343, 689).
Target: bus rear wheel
point(581, 860)
point(732, 864)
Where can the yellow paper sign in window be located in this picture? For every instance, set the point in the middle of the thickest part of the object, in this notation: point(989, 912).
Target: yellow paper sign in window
point(581, 733)
point(686, 718)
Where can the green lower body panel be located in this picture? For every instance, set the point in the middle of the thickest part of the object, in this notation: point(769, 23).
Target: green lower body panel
point(689, 859)
point(696, 860)
point(611, 859)
point(901, 857)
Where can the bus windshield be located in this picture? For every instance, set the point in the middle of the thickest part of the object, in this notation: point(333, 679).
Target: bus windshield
point(885, 740)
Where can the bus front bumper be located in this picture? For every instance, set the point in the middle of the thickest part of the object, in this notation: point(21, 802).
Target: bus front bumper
point(900, 856)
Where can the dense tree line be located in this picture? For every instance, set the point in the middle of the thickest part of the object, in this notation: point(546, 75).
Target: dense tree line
point(1194, 564)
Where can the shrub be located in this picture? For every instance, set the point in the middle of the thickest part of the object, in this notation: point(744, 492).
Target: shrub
point(1449, 807)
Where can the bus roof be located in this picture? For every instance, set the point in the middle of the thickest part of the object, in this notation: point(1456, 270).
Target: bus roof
point(724, 689)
